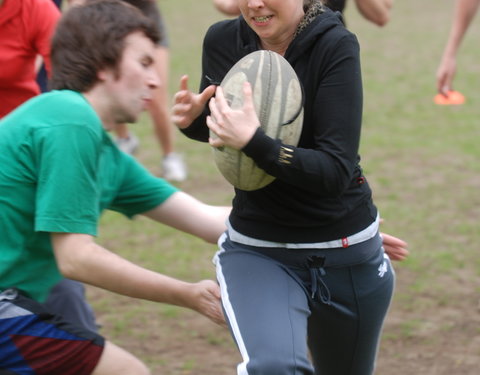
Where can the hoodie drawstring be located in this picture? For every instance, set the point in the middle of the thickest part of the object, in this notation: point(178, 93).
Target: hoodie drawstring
point(318, 286)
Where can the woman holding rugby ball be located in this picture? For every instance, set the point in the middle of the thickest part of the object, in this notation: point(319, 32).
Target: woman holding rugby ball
point(302, 267)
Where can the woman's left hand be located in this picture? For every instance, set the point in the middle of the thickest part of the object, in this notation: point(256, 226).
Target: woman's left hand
point(233, 127)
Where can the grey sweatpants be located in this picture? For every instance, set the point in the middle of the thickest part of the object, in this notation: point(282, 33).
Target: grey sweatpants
point(282, 304)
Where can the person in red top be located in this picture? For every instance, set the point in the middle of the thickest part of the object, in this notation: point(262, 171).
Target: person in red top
point(26, 27)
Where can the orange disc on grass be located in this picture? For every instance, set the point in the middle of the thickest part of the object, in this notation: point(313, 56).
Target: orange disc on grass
point(452, 98)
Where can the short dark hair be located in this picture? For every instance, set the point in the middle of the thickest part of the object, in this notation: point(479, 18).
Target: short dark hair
point(91, 37)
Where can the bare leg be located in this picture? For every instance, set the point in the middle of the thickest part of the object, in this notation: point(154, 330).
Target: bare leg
point(126, 141)
point(159, 108)
point(117, 361)
point(172, 164)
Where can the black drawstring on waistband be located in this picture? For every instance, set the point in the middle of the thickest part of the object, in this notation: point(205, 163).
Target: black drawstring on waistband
point(318, 286)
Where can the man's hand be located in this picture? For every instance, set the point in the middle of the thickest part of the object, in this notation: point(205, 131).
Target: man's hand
point(206, 300)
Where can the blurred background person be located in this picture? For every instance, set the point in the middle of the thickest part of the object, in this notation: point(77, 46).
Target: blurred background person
point(26, 27)
point(463, 14)
point(172, 165)
point(227, 7)
point(42, 75)
point(375, 11)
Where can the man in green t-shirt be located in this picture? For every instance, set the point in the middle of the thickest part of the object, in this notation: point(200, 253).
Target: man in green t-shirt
point(60, 170)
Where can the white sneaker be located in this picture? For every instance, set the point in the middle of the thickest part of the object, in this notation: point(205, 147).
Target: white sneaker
point(174, 168)
point(128, 145)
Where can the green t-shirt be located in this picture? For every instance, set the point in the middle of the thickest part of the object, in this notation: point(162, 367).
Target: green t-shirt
point(59, 170)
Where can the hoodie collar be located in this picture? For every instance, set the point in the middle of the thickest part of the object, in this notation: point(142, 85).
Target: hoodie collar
point(315, 8)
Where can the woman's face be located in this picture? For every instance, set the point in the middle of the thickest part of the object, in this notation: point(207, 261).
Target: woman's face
point(274, 21)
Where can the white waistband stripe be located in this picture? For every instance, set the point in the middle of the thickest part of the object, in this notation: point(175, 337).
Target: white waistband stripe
point(362, 236)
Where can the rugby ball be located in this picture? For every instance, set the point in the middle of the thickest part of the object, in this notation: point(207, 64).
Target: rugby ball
point(278, 98)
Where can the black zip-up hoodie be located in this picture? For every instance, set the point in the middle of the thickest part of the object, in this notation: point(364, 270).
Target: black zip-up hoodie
point(321, 195)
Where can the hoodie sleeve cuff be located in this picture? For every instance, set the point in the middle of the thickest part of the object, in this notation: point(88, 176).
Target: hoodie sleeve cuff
point(262, 148)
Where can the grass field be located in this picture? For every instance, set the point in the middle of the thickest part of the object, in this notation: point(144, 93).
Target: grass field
point(423, 162)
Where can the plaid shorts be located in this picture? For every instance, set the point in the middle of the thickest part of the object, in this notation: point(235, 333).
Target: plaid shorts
point(36, 342)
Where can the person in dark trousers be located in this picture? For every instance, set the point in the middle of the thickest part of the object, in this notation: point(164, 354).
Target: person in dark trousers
point(302, 267)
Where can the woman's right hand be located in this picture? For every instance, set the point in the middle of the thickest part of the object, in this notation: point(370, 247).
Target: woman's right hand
point(188, 105)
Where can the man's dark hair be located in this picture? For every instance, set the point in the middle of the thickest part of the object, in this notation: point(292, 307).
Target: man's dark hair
point(91, 37)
